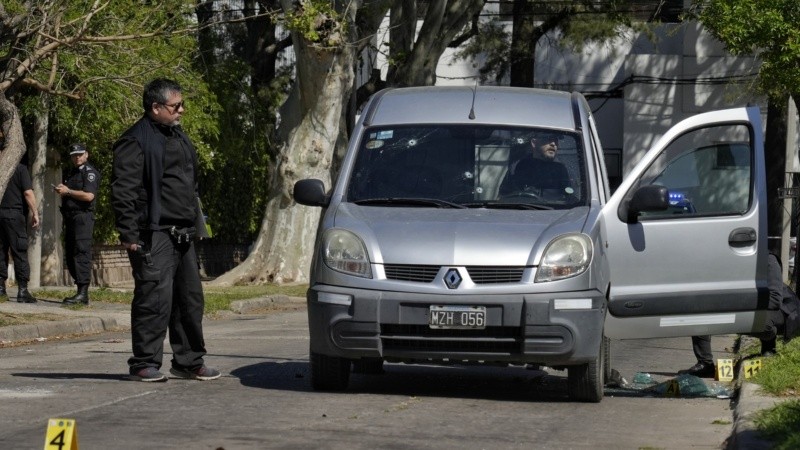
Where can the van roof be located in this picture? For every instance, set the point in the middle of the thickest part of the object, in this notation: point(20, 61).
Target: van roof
point(492, 105)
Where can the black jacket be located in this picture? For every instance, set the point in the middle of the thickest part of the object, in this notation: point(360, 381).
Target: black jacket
point(136, 179)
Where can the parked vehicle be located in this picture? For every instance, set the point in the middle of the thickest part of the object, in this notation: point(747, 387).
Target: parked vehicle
point(424, 255)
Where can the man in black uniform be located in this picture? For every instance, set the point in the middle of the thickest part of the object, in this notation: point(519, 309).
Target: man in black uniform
point(155, 199)
point(17, 201)
point(78, 192)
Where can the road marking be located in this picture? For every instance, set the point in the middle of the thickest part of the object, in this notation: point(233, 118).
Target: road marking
point(33, 393)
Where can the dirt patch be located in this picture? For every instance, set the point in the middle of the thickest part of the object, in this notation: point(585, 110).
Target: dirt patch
point(8, 319)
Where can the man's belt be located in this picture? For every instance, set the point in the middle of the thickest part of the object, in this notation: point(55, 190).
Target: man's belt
point(182, 235)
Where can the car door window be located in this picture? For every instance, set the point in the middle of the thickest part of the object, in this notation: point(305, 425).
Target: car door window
point(708, 172)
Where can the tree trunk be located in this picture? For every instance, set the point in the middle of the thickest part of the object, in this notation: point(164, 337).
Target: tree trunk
point(283, 250)
point(38, 157)
point(775, 156)
point(12, 141)
point(523, 44)
point(444, 20)
point(313, 128)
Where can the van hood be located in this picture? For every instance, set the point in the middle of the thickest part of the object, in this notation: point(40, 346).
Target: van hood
point(457, 237)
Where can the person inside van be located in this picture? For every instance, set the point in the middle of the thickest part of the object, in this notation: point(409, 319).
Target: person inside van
point(538, 173)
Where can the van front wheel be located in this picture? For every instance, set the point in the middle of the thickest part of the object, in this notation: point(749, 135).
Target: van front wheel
point(329, 373)
point(585, 382)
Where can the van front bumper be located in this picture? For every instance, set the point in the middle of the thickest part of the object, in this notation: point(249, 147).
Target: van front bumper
point(546, 328)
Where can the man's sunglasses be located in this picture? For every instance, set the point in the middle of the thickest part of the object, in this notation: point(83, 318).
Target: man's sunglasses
point(174, 106)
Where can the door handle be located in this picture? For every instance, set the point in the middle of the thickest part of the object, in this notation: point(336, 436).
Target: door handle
point(742, 236)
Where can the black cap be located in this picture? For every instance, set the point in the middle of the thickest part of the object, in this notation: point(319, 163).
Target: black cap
point(77, 149)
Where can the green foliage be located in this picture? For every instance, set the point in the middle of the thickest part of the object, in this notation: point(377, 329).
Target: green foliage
point(235, 185)
point(781, 425)
point(781, 373)
point(494, 42)
point(110, 78)
point(578, 23)
point(216, 299)
point(316, 21)
point(768, 28)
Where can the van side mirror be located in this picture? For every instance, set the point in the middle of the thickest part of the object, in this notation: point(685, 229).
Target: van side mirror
point(310, 192)
point(647, 198)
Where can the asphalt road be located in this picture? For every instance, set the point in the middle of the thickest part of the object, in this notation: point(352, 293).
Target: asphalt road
point(264, 399)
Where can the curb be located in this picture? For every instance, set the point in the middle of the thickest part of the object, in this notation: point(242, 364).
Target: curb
point(245, 306)
point(98, 323)
point(750, 402)
point(28, 332)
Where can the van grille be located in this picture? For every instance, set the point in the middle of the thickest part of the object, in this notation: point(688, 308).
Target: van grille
point(478, 274)
point(501, 340)
point(408, 272)
point(488, 275)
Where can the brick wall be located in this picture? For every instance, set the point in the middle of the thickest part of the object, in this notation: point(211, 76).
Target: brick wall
point(110, 266)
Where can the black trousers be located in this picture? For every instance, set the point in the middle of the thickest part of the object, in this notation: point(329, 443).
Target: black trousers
point(701, 345)
point(78, 228)
point(168, 295)
point(14, 237)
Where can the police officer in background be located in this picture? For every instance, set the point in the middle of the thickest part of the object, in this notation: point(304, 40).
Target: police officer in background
point(78, 192)
point(17, 201)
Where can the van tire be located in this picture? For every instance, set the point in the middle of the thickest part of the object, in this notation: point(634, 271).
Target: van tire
point(606, 360)
point(585, 382)
point(329, 373)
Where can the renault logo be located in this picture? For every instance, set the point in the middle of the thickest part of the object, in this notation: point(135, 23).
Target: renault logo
point(452, 279)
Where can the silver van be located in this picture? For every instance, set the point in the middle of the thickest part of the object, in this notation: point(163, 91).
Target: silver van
point(477, 225)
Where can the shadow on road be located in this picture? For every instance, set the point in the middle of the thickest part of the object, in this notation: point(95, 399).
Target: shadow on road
point(467, 382)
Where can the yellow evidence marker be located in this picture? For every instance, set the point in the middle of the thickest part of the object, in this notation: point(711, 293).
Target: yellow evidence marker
point(725, 370)
point(62, 434)
point(751, 367)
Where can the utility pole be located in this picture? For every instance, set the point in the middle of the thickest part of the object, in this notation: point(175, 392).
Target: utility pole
point(790, 192)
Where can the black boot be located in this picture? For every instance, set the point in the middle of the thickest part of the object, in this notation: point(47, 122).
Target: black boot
point(3, 292)
point(81, 297)
point(768, 347)
point(23, 295)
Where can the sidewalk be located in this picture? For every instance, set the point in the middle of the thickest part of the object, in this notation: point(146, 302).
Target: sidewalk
point(96, 318)
point(99, 317)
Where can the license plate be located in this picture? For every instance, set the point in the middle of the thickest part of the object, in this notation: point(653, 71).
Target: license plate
point(459, 317)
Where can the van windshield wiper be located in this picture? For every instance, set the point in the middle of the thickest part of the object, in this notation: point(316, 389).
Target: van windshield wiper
point(506, 205)
point(399, 201)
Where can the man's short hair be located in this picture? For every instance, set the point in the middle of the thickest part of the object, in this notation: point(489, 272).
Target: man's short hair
point(159, 91)
point(547, 136)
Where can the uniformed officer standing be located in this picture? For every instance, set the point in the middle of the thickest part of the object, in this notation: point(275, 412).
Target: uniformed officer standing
point(14, 232)
point(77, 207)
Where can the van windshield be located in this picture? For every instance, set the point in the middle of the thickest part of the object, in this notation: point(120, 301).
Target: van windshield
point(469, 166)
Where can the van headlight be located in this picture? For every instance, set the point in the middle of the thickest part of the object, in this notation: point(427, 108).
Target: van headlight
point(565, 256)
point(344, 252)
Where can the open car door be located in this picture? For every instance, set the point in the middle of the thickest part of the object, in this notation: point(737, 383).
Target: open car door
point(686, 232)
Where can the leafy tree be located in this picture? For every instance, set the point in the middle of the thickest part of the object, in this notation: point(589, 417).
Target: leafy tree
point(512, 53)
point(770, 30)
point(240, 59)
point(328, 38)
point(92, 59)
point(82, 65)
